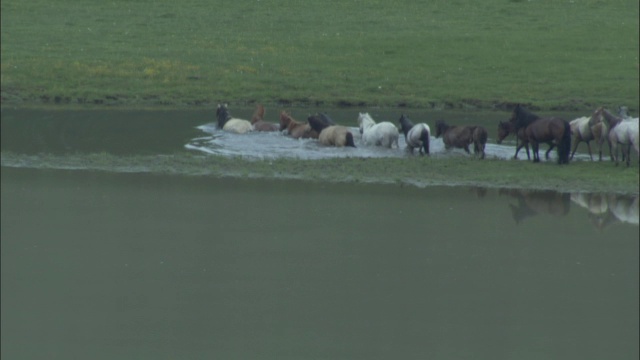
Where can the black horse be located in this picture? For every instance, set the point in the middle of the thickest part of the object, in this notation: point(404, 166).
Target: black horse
point(543, 130)
point(319, 122)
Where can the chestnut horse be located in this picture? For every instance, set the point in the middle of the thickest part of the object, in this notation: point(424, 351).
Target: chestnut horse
point(543, 130)
point(257, 120)
point(462, 137)
point(295, 128)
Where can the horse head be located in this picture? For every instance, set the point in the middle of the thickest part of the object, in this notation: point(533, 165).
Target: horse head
point(285, 120)
point(596, 116)
point(504, 129)
point(258, 114)
point(222, 113)
point(405, 124)
point(365, 121)
point(441, 127)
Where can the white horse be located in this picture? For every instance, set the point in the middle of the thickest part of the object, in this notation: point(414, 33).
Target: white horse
point(381, 134)
point(623, 132)
point(228, 123)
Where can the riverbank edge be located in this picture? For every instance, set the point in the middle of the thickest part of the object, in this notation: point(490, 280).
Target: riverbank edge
point(419, 172)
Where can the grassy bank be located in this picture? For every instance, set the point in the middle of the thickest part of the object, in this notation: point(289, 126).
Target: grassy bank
point(580, 176)
point(570, 55)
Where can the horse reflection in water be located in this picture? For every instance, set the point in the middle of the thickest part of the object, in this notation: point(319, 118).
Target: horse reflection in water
point(534, 202)
point(597, 204)
point(607, 209)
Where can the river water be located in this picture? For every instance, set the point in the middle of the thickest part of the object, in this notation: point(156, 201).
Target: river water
point(108, 264)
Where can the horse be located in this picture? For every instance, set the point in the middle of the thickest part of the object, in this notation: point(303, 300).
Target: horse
point(228, 123)
point(581, 131)
point(462, 137)
point(623, 132)
point(624, 208)
point(257, 120)
point(506, 128)
point(378, 134)
point(543, 130)
point(533, 202)
point(597, 204)
point(600, 132)
point(295, 128)
point(416, 136)
point(336, 135)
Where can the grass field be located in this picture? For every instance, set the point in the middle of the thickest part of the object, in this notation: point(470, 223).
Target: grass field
point(573, 54)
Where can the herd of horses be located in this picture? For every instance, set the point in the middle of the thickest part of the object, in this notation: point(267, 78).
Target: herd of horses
point(529, 129)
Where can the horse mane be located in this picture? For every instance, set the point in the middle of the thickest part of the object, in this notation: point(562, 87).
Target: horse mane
point(612, 119)
point(327, 119)
point(441, 127)
point(405, 124)
point(522, 117)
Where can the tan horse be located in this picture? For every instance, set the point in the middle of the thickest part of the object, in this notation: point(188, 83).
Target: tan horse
point(336, 135)
point(295, 128)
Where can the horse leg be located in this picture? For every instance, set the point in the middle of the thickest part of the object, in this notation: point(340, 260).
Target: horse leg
point(628, 153)
point(518, 147)
point(466, 148)
point(551, 146)
point(535, 148)
point(589, 147)
point(575, 147)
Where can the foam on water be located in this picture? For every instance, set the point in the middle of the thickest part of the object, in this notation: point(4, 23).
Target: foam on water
point(272, 145)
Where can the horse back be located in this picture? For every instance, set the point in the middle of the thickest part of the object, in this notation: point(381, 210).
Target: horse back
point(458, 136)
point(336, 135)
point(238, 126)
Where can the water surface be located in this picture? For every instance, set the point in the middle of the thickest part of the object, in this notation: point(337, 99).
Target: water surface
point(111, 265)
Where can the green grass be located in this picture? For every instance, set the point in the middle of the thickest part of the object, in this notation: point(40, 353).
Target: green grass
point(438, 54)
point(579, 176)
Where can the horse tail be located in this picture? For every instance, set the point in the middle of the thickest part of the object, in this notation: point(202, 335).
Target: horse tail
point(564, 147)
point(424, 137)
point(349, 140)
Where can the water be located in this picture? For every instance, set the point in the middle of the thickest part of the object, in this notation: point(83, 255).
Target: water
point(106, 265)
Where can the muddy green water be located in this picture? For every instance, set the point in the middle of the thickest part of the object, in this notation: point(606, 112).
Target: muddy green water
point(107, 265)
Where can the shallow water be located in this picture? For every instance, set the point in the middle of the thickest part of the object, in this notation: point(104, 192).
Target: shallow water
point(108, 264)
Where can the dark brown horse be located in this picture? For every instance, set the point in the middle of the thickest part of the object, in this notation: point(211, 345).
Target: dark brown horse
point(543, 130)
point(257, 120)
point(320, 121)
point(462, 137)
point(506, 128)
point(533, 202)
point(295, 128)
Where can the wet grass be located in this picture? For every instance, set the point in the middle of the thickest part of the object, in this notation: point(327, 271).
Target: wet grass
point(410, 171)
point(439, 54)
